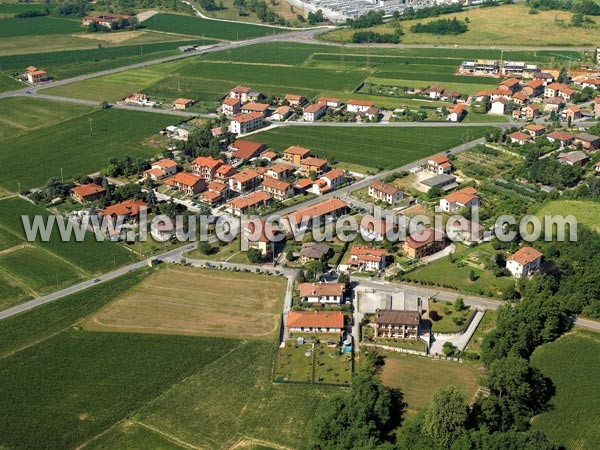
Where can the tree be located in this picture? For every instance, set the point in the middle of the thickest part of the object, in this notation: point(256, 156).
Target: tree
point(448, 348)
point(459, 304)
point(446, 417)
point(255, 256)
point(205, 248)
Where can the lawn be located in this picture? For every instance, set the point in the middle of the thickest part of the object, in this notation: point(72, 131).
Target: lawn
point(293, 364)
point(34, 158)
point(487, 324)
point(572, 363)
point(201, 302)
point(8, 83)
point(418, 378)
point(130, 434)
point(442, 316)
point(586, 212)
point(196, 26)
point(508, 25)
point(384, 148)
point(38, 26)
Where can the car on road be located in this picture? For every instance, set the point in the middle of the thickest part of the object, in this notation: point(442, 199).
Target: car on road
point(97, 280)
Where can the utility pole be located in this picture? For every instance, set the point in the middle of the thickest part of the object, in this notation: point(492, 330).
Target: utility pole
point(62, 177)
point(178, 82)
point(91, 130)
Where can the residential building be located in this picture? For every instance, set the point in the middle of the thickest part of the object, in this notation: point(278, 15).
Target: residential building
point(456, 113)
point(385, 192)
point(281, 113)
point(327, 210)
point(187, 183)
point(295, 100)
point(545, 77)
point(245, 181)
point(105, 19)
point(253, 107)
point(245, 123)
point(397, 324)
point(240, 205)
point(279, 171)
point(224, 173)
point(464, 230)
point(35, 75)
point(183, 103)
point(377, 229)
point(424, 243)
point(524, 261)
point(316, 321)
point(553, 104)
point(434, 92)
point(519, 98)
point(313, 165)
point(87, 193)
point(206, 167)
point(359, 105)
point(559, 90)
point(334, 178)
point(519, 68)
point(140, 99)
point(512, 84)
point(269, 156)
point(573, 112)
point(323, 293)
point(518, 137)
point(533, 88)
point(231, 106)
point(442, 181)
point(161, 169)
point(593, 83)
point(367, 258)
point(532, 111)
point(464, 198)
point(480, 67)
point(241, 93)
point(534, 130)
point(498, 106)
point(575, 158)
point(129, 210)
point(565, 139)
point(314, 251)
point(439, 164)
point(330, 102)
point(295, 154)
point(588, 141)
point(373, 114)
point(278, 189)
point(501, 93)
point(246, 150)
point(314, 112)
point(265, 241)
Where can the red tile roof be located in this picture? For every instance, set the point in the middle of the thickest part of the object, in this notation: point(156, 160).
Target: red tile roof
point(319, 289)
point(186, 179)
point(250, 200)
point(295, 150)
point(361, 103)
point(465, 195)
point(424, 237)
point(525, 255)
point(86, 190)
point(315, 319)
point(247, 117)
point(246, 149)
point(126, 208)
point(384, 187)
point(276, 184)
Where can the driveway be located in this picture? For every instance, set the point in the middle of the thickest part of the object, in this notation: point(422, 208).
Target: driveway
point(460, 342)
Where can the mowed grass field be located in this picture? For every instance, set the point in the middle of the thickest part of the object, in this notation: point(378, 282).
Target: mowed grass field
point(506, 24)
point(38, 26)
point(31, 269)
point(375, 147)
point(32, 159)
point(586, 212)
point(184, 300)
point(418, 378)
point(196, 26)
point(572, 363)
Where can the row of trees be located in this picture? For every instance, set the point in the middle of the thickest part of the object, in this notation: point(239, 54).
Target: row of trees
point(369, 19)
point(361, 37)
point(441, 26)
point(584, 7)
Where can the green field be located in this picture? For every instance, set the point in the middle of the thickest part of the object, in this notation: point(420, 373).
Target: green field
point(132, 435)
point(34, 158)
point(38, 26)
point(11, 9)
point(572, 363)
point(586, 212)
point(196, 26)
point(9, 84)
point(376, 147)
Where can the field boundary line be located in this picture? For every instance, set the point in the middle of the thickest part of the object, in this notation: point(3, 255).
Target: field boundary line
point(167, 436)
point(171, 33)
point(39, 341)
point(20, 283)
point(69, 263)
point(250, 440)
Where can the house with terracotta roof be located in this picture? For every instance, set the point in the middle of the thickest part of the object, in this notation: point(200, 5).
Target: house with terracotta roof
point(240, 92)
point(434, 92)
point(519, 98)
point(588, 141)
point(303, 184)
point(464, 230)
point(385, 192)
point(363, 257)
point(240, 205)
point(295, 100)
point(330, 102)
point(378, 228)
point(323, 293)
point(316, 321)
point(512, 84)
point(183, 103)
point(281, 113)
point(87, 193)
point(359, 105)
point(397, 324)
point(334, 178)
point(524, 261)
point(327, 210)
point(463, 198)
point(295, 154)
point(129, 210)
point(313, 165)
point(573, 112)
point(439, 164)
point(278, 189)
point(532, 111)
point(534, 130)
point(224, 173)
point(187, 183)
point(206, 167)
point(545, 77)
point(423, 243)
point(231, 106)
point(565, 139)
point(533, 88)
point(245, 181)
point(104, 19)
point(559, 90)
point(574, 158)
point(245, 123)
point(518, 137)
point(252, 107)
point(161, 169)
point(456, 113)
point(279, 171)
point(497, 94)
point(35, 75)
point(593, 83)
point(246, 150)
point(314, 112)
point(263, 241)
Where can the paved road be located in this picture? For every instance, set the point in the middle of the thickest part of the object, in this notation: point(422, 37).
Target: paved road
point(459, 342)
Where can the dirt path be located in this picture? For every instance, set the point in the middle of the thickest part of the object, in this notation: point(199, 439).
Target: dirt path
point(145, 15)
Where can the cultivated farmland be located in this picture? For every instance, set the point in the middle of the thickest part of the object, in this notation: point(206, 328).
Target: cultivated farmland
point(370, 147)
point(572, 363)
point(202, 302)
point(38, 26)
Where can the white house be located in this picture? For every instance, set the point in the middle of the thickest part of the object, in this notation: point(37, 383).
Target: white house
point(524, 261)
point(324, 293)
point(359, 105)
point(498, 106)
point(466, 197)
point(312, 113)
point(245, 123)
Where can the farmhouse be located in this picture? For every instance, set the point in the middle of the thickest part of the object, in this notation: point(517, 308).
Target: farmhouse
point(206, 167)
point(434, 92)
point(518, 137)
point(313, 165)
point(241, 93)
point(327, 210)
point(314, 251)
point(187, 183)
point(105, 19)
point(575, 158)
point(535, 130)
point(565, 139)
point(245, 181)
point(35, 75)
point(245, 123)
point(524, 262)
point(314, 112)
point(295, 100)
point(279, 171)
point(281, 113)
point(424, 243)
point(295, 154)
point(559, 90)
point(443, 181)
point(316, 321)
point(124, 211)
point(456, 113)
point(323, 293)
point(397, 324)
point(240, 205)
point(87, 193)
point(385, 192)
point(330, 102)
point(161, 169)
point(439, 164)
point(183, 103)
point(359, 105)
point(253, 107)
point(139, 99)
point(278, 189)
point(464, 198)
point(588, 141)
point(363, 257)
point(246, 150)
point(231, 106)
